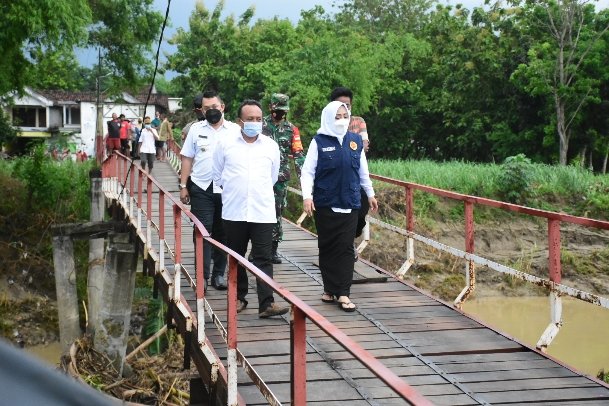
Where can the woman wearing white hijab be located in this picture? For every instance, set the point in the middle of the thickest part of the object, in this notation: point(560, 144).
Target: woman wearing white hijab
point(334, 171)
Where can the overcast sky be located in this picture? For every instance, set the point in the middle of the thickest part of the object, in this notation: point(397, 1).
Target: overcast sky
point(181, 10)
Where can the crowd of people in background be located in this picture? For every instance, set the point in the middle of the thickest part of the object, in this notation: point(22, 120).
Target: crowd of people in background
point(124, 135)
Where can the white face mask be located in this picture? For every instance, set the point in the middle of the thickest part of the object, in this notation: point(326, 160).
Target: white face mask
point(341, 125)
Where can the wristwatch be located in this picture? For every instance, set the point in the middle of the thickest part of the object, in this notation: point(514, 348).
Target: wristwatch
point(182, 186)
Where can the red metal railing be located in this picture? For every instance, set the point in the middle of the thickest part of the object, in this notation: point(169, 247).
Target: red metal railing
point(554, 247)
point(119, 181)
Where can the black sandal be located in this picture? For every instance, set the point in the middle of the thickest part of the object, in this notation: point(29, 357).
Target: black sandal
point(331, 300)
point(345, 306)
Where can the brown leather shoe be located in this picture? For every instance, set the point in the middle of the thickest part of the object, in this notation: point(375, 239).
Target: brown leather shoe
point(273, 310)
point(241, 305)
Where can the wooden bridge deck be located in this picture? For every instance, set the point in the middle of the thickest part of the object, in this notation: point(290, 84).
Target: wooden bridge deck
point(446, 356)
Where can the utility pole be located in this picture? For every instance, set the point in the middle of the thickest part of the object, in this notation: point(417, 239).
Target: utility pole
point(99, 138)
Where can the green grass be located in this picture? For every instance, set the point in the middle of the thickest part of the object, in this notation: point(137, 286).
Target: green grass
point(568, 189)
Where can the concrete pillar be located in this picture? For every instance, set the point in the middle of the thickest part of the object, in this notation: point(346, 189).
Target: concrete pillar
point(65, 285)
point(96, 253)
point(116, 300)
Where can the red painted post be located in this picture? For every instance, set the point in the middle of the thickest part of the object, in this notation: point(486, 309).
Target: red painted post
point(161, 215)
point(139, 189)
point(298, 355)
point(149, 198)
point(199, 264)
point(131, 184)
point(231, 356)
point(554, 250)
point(469, 227)
point(124, 177)
point(115, 167)
point(177, 225)
point(409, 209)
point(231, 297)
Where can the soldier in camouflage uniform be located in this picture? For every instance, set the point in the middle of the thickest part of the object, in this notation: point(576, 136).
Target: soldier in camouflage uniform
point(287, 136)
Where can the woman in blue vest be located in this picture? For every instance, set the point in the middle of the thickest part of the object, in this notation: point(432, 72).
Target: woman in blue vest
point(334, 170)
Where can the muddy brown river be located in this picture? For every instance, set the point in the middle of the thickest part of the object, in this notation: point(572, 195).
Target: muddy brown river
point(583, 340)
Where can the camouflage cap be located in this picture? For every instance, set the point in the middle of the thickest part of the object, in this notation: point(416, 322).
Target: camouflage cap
point(280, 101)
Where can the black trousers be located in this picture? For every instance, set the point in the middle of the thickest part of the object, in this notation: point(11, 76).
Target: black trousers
point(335, 234)
point(363, 211)
point(207, 207)
point(238, 233)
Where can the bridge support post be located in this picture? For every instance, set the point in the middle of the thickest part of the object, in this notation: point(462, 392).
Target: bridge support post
point(410, 228)
point(65, 285)
point(470, 268)
point(555, 269)
point(96, 252)
point(117, 297)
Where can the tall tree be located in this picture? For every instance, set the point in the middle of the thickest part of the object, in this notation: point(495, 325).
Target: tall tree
point(125, 31)
point(377, 17)
point(210, 54)
point(560, 61)
point(28, 26)
point(57, 69)
point(329, 55)
point(46, 32)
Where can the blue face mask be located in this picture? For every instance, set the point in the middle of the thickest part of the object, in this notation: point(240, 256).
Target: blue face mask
point(252, 128)
point(147, 125)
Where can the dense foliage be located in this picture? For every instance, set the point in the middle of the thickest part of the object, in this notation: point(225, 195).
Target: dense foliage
point(57, 190)
point(433, 81)
point(38, 40)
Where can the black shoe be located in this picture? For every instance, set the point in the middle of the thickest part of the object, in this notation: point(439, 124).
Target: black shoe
point(218, 282)
point(276, 259)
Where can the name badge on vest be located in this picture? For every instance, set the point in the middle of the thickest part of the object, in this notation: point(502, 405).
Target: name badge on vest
point(353, 145)
point(328, 149)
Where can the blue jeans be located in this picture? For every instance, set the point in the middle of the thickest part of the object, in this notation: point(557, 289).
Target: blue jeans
point(207, 207)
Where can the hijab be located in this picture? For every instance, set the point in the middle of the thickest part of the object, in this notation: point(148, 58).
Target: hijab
point(328, 117)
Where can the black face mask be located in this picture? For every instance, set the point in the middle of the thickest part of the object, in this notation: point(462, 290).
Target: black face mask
point(213, 116)
point(278, 114)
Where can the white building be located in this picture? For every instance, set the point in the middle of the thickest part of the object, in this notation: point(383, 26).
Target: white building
point(70, 118)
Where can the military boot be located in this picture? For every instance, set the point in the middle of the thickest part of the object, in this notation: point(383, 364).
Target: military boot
point(275, 258)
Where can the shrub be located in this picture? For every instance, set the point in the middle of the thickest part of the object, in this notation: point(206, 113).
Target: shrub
point(514, 181)
point(59, 187)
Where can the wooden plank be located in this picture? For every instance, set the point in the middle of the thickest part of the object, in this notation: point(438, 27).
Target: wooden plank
point(595, 393)
point(553, 381)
